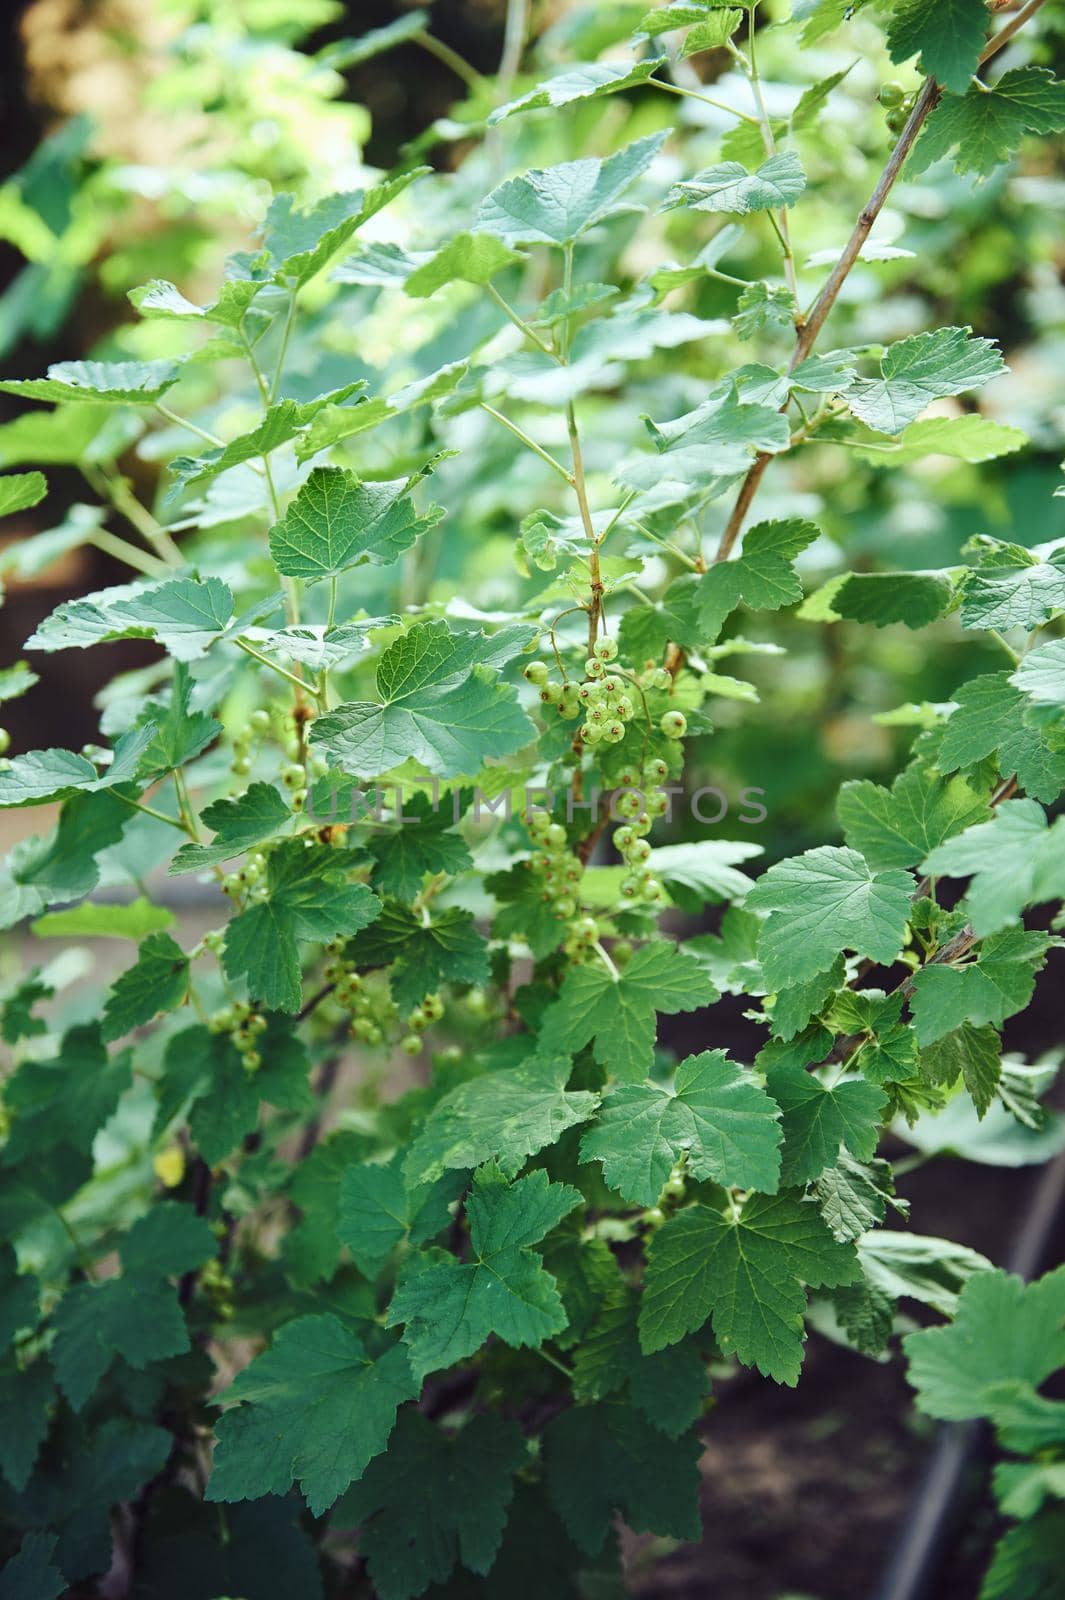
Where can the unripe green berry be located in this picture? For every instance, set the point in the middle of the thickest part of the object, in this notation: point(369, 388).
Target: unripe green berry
point(536, 672)
point(293, 775)
point(629, 803)
point(591, 733)
point(593, 667)
point(614, 732)
point(622, 953)
point(538, 823)
point(656, 771)
point(624, 707)
point(550, 694)
point(252, 1060)
point(260, 721)
point(555, 837)
point(477, 1002)
point(411, 1045)
point(241, 767)
point(585, 930)
point(651, 889)
point(638, 852)
point(565, 907)
point(624, 839)
point(657, 803)
point(630, 888)
point(891, 94)
point(673, 724)
point(606, 649)
point(5, 741)
point(417, 1020)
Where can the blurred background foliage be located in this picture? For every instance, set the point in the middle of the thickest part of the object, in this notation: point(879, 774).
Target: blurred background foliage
point(147, 139)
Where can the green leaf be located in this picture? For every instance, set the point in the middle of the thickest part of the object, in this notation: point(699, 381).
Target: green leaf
point(465, 1485)
point(345, 53)
point(65, 1101)
point(991, 989)
point(40, 776)
point(900, 826)
point(113, 382)
point(618, 1011)
point(606, 1458)
point(716, 1116)
point(239, 824)
point(974, 1053)
point(467, 258)
point(16, 680)
point(763, 575)
point(423, 955)
point(920, 1267)
point(987, 124)
point(915, 598)
point(18, 1297)
point(313, 1409)
point(205, 1073)
point(26, 1395)
point(308, 897)
point(31, 1574)
point(703, 871)
point(853, 1197)
point(158, 981)
point(441, 705)
point(718, 440)
point(1026, 1564)
point(948, 34)
point(1016, 861)
point(968, 438)
point(818, 1119)
point(746, 1272)
point(283, 421)
point(763, 306)
point(63, 865)
point(337, 520)
point(170, 731)
point(1023, 592)
point(920, 369)
point(378, 1209)
point(989, 721)
point(1003, 1330)
point(450, 1307)
point(668, 1388)
point(163, 299)
point(136, 1318)
point(297, 243)
point(423, 841)
point(185, 616)
point(1041, 675)
point(505, 1116)
point(586, 80)
point(554, 205)
point(19, 491)
point(103, 921)
point(167, 1241)
point(824, 901)
point(779, 181)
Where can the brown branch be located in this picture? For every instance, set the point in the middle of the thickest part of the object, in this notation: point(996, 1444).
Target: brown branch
point(807, 335)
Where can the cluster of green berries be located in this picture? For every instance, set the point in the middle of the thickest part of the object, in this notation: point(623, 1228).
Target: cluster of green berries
point(247, 881)
point(421, 1017)
point(559, 870)
point(217, 1285)
point(254, 730)
point(371, 1011)
point(640, 801)
point(897, 103)
point(245, 1027)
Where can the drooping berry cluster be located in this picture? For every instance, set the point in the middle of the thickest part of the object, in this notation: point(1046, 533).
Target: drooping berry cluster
point(559, 870)
point(245, 1027)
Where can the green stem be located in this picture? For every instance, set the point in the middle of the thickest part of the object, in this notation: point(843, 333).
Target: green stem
point(530, 444)
point(116, 490)
point(707, 100)
point(450, 58)
point(768, 139)
point(1010, 651)
point(190, 427)
point(560, 1366)
point(283, 351)
point(150, 811)
point(188, 815)
point(274, 666)
point(121, 549)
point(519, 321)
point(667, 544)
